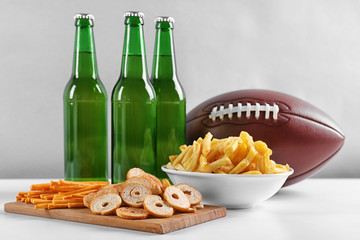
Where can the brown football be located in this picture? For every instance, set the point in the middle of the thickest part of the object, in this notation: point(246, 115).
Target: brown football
point(298, 133)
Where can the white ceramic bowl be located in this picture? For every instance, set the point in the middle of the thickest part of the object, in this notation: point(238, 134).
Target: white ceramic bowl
point(230, 190)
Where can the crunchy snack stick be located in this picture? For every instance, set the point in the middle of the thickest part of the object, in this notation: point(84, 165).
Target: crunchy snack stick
point(60, 194)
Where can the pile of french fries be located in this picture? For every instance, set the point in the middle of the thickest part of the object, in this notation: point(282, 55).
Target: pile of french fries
point(232, 155)
point(59, 194)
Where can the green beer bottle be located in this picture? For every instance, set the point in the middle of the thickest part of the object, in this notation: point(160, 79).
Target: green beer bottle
point(171, 104)
point(133, 106)
point(85, 111)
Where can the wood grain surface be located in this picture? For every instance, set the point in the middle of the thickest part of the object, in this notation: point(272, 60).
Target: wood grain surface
point(154, 225)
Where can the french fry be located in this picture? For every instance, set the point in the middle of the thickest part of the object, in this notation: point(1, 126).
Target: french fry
point(232, 155)
point(247, 138)
point(227, 168)
point(179, 167)
point(189, 152)
point(186, 164)
point(230, 149)
point(245, 162)
point(207, 144)
point(170, 166)
point(261, 147)
point(195, 157)
point(182, 147)
point(180, 156)
point(254, 172)
point(202, 162)
point(228, 143)
point(218, 171)
point(251, 167)
point(211, 167)
point(172, 158)
point(240, 153)
point(214, 153)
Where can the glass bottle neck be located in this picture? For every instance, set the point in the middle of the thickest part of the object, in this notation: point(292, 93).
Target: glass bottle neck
point(134, 59)
point(84, 65)
point(164, 65)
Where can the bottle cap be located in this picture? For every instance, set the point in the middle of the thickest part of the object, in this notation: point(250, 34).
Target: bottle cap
point(84, 15)
point(84, 18)
point(134, 14)
point(164, 19)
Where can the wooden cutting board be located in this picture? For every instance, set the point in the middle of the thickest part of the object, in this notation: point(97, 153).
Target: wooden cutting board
point(154, 225)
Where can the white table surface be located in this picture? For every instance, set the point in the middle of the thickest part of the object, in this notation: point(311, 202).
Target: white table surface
point(320, 209)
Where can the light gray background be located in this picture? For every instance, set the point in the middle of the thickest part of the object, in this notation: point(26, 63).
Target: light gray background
point(307, 48)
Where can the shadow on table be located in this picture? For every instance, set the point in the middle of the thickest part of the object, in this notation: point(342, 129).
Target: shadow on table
point(288, 193)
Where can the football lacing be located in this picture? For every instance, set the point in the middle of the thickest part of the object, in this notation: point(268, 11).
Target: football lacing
point(247, 109)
